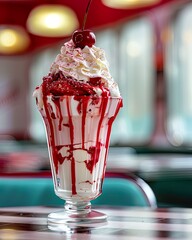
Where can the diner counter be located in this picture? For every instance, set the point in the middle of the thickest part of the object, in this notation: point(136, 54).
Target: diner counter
point(123, 223)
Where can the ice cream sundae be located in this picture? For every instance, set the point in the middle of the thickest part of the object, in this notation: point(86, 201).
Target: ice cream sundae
point(78, 101)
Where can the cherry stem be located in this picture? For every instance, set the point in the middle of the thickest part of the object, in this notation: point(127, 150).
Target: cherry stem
point(86, 14)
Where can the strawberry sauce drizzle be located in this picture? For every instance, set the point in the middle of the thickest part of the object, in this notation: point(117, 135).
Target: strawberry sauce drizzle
point(52, 135)
point(102, 114)
point(71, 129)
point(57, 103)
point(110, 122)
point(84, 114)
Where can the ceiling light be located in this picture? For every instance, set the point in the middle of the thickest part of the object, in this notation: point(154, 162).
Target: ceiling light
point(52, 21)
point(13, 39)
point(129, 3)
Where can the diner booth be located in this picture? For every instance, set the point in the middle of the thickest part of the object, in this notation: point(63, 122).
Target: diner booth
point(148, 45)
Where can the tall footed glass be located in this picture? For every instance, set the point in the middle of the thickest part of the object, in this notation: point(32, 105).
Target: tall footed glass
point(78, 133)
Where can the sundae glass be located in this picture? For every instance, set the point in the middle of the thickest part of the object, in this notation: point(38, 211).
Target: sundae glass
point(78, 101)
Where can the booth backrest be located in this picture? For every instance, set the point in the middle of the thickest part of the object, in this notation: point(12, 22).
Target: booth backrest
point(15, 191)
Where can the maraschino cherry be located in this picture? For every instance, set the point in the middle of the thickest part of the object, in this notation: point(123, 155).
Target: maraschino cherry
point(82, 37)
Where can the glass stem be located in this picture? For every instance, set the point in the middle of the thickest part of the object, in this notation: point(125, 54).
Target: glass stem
point(77, 208)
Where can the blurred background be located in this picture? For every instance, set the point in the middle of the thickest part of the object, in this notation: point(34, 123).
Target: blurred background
point(148, 44)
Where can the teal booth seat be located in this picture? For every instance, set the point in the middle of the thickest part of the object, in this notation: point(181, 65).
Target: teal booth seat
point(17, 191)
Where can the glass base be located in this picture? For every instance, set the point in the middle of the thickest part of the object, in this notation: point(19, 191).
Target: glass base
point(62, 221)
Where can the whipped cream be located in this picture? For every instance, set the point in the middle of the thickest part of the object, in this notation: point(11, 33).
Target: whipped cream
point(83, 64)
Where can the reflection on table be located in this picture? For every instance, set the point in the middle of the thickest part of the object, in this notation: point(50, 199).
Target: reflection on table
point(123, 223)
